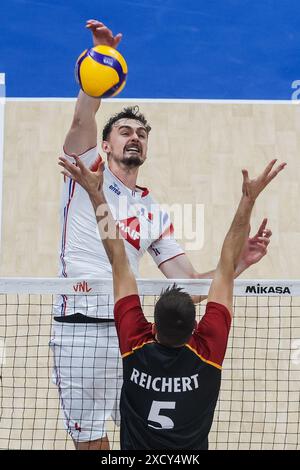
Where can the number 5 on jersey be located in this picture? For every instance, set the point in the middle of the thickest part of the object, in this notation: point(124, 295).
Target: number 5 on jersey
point(164, 421)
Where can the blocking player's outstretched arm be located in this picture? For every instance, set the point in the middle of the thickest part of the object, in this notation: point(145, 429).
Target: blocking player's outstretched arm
point(92, 181)
point(82, 134)
point(221, 289)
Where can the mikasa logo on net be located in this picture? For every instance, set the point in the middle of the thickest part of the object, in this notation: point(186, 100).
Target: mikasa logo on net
point(260, 289)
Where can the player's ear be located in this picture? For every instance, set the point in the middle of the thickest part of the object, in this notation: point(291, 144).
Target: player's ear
point(154, 330)
point(106, 146)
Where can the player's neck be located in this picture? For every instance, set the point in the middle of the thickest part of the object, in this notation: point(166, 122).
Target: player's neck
point(128, 176)
point(168, 346)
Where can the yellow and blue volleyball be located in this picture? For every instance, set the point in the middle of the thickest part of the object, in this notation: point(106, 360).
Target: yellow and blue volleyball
point(101, 71)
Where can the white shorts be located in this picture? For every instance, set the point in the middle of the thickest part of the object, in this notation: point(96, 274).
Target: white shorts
point(88, 373)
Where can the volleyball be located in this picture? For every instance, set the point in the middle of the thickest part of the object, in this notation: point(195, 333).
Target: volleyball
point(101, 71)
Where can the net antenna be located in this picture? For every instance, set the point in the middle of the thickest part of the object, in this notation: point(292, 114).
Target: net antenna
point(2, 105)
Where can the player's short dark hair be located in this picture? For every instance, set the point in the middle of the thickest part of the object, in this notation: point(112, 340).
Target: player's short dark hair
point(174, 317)
point(132, 112)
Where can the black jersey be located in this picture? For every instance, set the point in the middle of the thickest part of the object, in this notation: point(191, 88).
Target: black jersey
point(169, 394)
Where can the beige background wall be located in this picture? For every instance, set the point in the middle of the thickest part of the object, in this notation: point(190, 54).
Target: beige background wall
point(195, 155)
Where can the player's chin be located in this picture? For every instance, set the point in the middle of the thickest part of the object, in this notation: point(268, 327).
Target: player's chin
point(133, 161)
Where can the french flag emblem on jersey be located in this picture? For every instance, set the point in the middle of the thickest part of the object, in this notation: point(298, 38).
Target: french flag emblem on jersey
point(146, 214)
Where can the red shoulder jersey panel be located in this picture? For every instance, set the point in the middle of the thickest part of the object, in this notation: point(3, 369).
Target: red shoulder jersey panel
point(209, 340)
point(132, 327)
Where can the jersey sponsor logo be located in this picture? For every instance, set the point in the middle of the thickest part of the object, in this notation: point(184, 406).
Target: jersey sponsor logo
point(82, 287)
point(130, 230)
point(115, 188)
point(259, 289)
point(155, 251)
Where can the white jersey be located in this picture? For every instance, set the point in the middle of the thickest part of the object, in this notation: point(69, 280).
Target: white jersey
point(141, 222)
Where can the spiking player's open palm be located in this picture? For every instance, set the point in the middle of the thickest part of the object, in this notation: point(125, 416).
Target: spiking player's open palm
point(102, 35)
point(91, 181)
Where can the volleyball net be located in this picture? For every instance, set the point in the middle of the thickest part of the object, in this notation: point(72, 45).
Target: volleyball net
point(259, 402)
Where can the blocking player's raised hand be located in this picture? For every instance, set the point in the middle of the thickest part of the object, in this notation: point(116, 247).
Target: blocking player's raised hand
point(91, 181)
point(252, 188)
point(102, 35)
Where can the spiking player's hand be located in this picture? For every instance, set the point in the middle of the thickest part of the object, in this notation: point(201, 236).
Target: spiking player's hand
point(102, 35)
point(91, 181)
point(252, 188)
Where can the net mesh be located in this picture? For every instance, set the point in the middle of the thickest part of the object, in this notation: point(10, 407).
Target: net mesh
point(259, 403)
